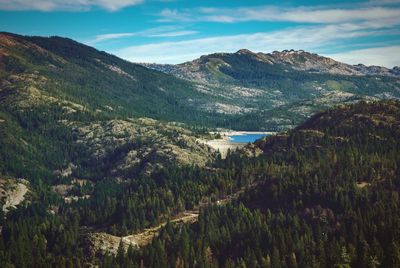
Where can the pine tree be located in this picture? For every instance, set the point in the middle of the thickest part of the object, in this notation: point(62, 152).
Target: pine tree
point(275, 259)
point(121, 253)
point(393, 255)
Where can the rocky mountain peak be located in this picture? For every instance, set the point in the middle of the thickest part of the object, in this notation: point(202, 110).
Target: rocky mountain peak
point(289, 52)
point(395, 70)
point(244, 52)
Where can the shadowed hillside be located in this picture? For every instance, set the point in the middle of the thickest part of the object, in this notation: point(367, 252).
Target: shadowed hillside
point(323, 195)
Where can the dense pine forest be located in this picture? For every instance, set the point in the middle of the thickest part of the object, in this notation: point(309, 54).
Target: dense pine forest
point(325, 194)
point(110, 148)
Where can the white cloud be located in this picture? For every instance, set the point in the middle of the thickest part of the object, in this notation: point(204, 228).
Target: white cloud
point(388, 56)
point(105, 37)
point(69, 5)
point(329, 27)
point(273, 13)
point(383, 2)
point(308, 38)
point(162, 31)
point(173, 34)
point(315, 15)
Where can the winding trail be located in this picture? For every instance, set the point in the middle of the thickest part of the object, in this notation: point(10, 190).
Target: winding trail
point(146, 236)
point(189, 216)
point(107, 243)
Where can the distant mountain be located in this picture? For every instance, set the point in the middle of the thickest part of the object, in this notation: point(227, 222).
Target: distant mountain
point(92, 146)
point(242, 90)
point(294, 59)
point(283, 87)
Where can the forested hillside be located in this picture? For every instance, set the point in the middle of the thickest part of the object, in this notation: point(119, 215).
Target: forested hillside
point(77, 77)
point(279, 90)
point(61, 101)
point(92, 145)
point(324, 195)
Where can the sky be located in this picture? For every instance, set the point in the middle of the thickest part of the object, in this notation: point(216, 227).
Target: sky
point(175, 31)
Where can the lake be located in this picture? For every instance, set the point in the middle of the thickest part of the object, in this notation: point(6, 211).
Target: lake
point(245, 138)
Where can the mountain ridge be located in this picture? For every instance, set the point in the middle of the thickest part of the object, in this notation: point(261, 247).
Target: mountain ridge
point(80, 71)
point(242, 90)
point(297, 59)
point(294, 82)
point(74, 122)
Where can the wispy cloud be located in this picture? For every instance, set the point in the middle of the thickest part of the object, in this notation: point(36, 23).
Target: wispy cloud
point(383, 2)
point(313, 38)
point(319, 14)
point(383, 56)
point(105, 37)
point(173, 34)
point(323, 28)
point(162, 31)
point(67, 5)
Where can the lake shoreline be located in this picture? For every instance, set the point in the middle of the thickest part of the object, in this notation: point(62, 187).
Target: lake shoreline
point(234, 133)
point(226, 143)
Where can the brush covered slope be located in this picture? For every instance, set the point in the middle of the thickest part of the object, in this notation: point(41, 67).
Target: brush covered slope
point(282, 89)
point(79, 155)
point(71, 128)
point(323, 195)
point(66, 104)
point(79, 152)
point(78, 77)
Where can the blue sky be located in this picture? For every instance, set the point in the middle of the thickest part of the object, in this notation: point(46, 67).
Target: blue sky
point(174, 31)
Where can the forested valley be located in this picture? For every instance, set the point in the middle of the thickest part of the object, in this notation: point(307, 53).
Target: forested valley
point(95, 146)
point(326, 195)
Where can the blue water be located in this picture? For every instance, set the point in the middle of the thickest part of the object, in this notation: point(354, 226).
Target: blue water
point(246, 137)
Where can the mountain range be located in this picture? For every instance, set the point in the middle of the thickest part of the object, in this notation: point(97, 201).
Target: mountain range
point(104, 162)
point(242, 90)
point(56, 92)
point(281, 89)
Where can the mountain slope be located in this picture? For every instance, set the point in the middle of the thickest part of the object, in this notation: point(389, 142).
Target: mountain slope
point(295, 83)
point(80, 76)
point(60, 101)
point(207, 67)
point(325, 194)
point(220, 90)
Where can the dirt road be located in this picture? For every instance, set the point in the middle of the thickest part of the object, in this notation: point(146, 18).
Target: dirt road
point(146, 236)
point(109, 243)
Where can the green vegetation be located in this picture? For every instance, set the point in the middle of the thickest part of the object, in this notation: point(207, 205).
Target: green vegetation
point(325, 194)
point(280, 92)
point(76, 76)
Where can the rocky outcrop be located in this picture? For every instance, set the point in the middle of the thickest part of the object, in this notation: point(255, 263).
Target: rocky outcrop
point(12, 192)
point(141, 145)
